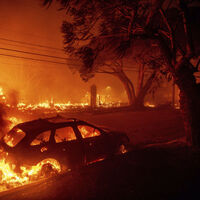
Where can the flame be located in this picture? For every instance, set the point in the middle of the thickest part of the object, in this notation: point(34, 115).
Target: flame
point(87, 131)
point(10, 179)
point(50, 106)
point(147, 104)
point(14, 121)
point(103, 100)
point(2, 96)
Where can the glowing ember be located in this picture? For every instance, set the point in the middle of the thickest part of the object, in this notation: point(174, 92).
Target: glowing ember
point(1, 91)
point(88, 131)
point(103, 100)
point(122, 149)
point(147, 104)
point(10, 179)
point(50, 106)
point(2, 96)
point(14, 121)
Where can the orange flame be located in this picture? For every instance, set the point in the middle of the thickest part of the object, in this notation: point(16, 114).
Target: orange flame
point(10, 179)
point(14, 121)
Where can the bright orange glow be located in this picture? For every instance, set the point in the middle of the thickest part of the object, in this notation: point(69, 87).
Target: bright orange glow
point(147, 104)
point(88, 131)
point(14, 121)
point(103, 100)
point(122, 149)
point(10, 179)
point(49, 106)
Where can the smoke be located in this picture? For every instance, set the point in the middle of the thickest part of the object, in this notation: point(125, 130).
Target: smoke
point(13, 97)
point(3, 121)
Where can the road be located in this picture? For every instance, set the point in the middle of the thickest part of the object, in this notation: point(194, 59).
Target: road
point(155, 169)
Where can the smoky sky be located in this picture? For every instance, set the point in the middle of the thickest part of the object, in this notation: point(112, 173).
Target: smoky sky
point(27, 21)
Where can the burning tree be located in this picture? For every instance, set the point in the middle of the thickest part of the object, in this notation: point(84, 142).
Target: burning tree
point(114, 26)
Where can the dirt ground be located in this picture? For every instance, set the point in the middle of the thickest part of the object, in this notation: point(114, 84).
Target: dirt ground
point(144, 127)
point(160, 166)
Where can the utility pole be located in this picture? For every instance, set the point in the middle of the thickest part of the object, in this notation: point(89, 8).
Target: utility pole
point(93, 99)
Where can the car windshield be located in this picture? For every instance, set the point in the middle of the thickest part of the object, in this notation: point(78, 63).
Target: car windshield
point(14, 136)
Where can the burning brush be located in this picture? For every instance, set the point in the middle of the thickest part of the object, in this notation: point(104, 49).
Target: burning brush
point(11, 177)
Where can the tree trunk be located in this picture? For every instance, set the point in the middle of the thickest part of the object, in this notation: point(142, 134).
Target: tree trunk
point(182, 73)
point(139, 103)
point(189, 102)
point(140, 78)
point(129, 88)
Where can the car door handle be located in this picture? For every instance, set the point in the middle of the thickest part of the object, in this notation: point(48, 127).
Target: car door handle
point(63, 149)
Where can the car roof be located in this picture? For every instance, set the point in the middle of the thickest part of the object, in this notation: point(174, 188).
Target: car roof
point(40, 125)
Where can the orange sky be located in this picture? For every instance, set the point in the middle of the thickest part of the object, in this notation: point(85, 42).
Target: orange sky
point(28, 21)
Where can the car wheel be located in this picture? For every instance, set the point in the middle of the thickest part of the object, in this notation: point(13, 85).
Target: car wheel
point(49, 167)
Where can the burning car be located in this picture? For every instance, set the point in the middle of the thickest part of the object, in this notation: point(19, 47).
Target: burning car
point(60, 143)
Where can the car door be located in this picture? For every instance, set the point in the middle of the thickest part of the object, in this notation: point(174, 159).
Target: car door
point(39, 147)
point(67, 148)
point(94, 142)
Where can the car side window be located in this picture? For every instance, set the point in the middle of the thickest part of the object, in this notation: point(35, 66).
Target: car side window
point(64, 134)
point(14, 136)
point(88, 131)
point(41, 138)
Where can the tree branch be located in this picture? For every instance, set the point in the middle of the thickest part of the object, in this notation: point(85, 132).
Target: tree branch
point(126, 16)
point(197, 65)
point(187, 29)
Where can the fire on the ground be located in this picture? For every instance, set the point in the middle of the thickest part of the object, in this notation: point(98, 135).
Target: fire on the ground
point(43, 147)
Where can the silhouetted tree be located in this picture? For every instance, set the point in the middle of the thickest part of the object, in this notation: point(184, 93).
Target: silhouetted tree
point(93, 26)
point(83, 40)
point(115, 67)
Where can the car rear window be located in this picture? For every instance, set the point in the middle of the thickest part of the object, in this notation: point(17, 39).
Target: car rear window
point(14, 136)
point(88, 131)
point(64, 134)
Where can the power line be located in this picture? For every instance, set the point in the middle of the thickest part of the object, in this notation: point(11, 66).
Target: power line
point(31, 44)
point(45, 55)
point(34, 59)
point(131, 69)
point(27, 58)
point(32, 53)
point(26, 47)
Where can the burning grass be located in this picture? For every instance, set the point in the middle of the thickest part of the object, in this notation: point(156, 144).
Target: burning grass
point(9, 178)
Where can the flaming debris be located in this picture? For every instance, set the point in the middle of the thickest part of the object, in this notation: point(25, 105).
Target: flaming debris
point(10, 179)
point(13, 121)
point(103, 100)
point(147, 104)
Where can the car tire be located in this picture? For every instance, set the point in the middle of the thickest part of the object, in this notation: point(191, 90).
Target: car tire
point(49, 167)
point(48, 170)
